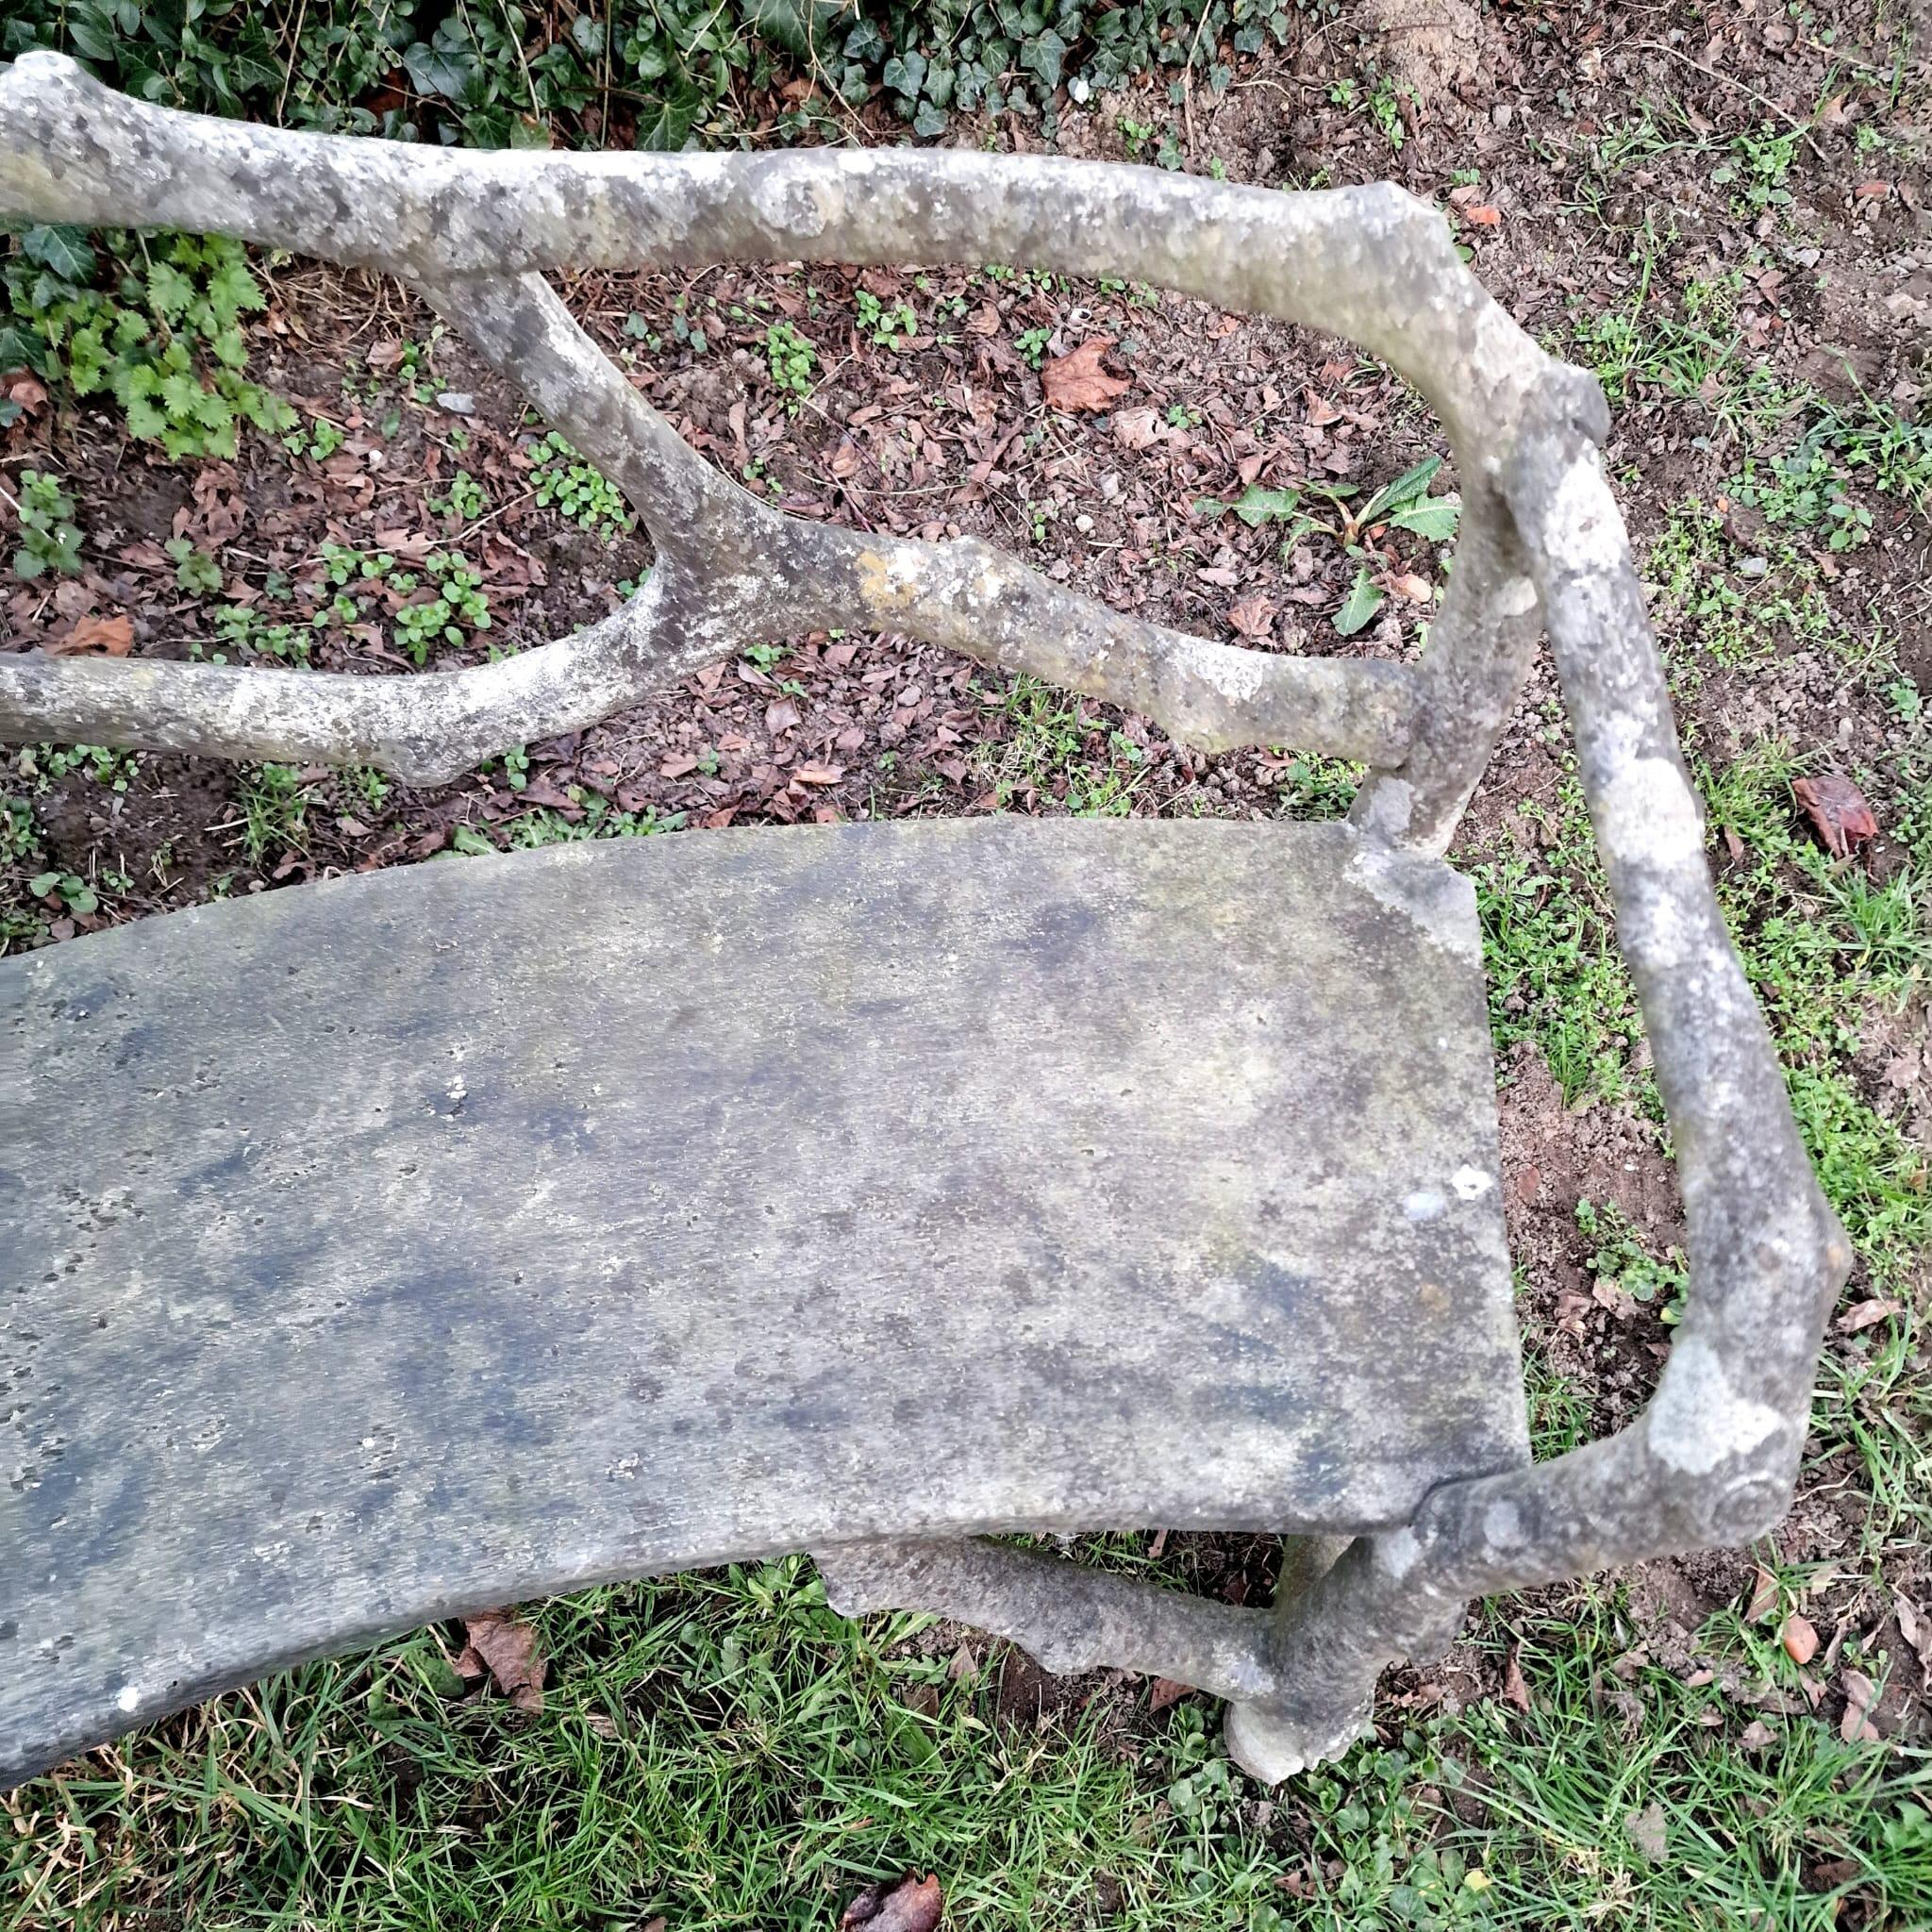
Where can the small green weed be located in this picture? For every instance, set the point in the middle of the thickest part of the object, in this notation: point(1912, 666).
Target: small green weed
point(49, 537)
point(467, 499)
point(67, 889)
point(245, 627)
point(891, 326)
point(1031, 343)
point(791, 357)
point(274, 803)
point(581, 492)
point(195, 571)
point(455, 608)
point(1404, 504)
point(164, 340)
point(1051, 752)
point(1621, 1257)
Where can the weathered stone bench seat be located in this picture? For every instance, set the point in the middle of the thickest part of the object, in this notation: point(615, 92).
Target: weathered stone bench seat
point(401, 1245)
point(385, 1247)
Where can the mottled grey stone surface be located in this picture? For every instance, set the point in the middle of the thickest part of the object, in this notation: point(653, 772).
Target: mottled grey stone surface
point(383, 1248)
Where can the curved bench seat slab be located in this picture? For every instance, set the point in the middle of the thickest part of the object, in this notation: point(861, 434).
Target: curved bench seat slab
point(379, 1249)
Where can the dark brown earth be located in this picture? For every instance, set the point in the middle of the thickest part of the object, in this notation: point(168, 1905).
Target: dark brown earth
point(948, 433)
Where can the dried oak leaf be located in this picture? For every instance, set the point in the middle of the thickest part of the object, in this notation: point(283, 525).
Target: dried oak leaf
point(913, 1904)
point(1079, 382)
point(1839, 810)
point(508, 1650)
point(112, 635)
point(1167, 1691)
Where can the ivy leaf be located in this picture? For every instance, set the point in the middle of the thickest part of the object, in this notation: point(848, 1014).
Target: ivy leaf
point(1209, 508)
point(929, 122)
point(797, 26)
point(436, 72)
point(905, 73)
point(61, 248)
point(1045, 55)
point(670, 128)
point(1362, 602)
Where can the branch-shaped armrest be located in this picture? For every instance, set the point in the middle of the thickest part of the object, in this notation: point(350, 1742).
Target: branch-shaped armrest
point(470, 230)
point(1713, 1459)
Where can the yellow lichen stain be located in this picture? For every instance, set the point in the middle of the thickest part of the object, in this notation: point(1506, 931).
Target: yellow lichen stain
point(881, 588)
point(1434, 1298)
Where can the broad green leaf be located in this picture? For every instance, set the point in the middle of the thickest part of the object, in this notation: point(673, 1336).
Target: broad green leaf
point(1362, 602)
point(1434, 518)
point(1209, 508)
point(1257, 506)
point(1408, 488)
point(169, 292)
point(61, 248)
point(1043, 56)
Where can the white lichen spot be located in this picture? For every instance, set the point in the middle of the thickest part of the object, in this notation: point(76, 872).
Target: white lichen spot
point(129, 1699)
point(1426, 1203)
point(1471, 1183)
point(1586, 514)
point(1697, 1419)
point(1515, 597)
point(1503, 1527)
point(1399, 1552)
point(1649, 813)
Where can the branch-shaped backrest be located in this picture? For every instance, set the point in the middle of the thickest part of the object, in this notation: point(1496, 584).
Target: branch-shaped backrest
point(1714, 1456)
point(469, 231)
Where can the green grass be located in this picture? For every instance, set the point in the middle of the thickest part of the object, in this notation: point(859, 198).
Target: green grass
point(725, 1751)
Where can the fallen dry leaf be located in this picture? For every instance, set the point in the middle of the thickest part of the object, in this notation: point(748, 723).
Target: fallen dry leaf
point(29, 393)
point(913, 1904)
point(1411, 587)
point(1855, 1726)
point(1079, 382)
point(506, 1648)
point(1867, 1315)
point(1136, 428)
point(1839, 810)
point(1799, 1639)
point(1515, 1686)
point(1167, 1691)
point(1254, 617)
point(112, 635)
point(819, 774)
point(1483, 216)
point(1763, 1596)
point(1646, 1832)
